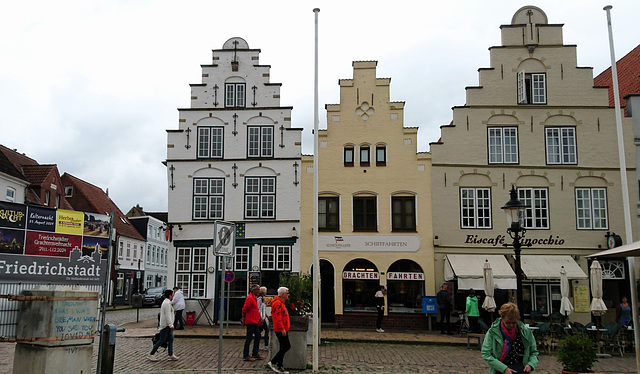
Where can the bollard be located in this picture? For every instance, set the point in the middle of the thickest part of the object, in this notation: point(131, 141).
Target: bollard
point(108, 348)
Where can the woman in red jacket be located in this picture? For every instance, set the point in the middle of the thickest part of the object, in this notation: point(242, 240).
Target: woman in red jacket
point(280, 316)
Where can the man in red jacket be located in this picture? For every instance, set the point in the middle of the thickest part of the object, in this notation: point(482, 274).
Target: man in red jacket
point(251, 318)
point(281, 325)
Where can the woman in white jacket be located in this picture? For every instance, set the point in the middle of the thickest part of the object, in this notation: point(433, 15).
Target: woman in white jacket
point(262, 308)
point(165, 327)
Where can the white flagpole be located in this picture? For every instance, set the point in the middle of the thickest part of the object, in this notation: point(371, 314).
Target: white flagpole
point(625, 189)
point(316, 261)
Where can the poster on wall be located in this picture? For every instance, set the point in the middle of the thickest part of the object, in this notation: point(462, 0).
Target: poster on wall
point(39, 244)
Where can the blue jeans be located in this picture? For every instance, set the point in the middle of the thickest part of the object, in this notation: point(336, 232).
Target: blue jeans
point(253, 332)
point(265, 328)
point(165, 334)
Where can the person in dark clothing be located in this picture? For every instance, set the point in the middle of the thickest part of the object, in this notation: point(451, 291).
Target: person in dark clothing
point(380, 307)
point(443, 297)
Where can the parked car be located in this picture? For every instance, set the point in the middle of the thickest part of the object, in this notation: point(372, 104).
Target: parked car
point(153, 296)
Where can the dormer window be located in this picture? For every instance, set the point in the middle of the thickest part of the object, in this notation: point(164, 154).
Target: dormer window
point(532, 88)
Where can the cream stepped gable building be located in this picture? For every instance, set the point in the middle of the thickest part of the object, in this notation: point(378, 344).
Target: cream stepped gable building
point(235, 158)
point(374, 208)
point(535, 122)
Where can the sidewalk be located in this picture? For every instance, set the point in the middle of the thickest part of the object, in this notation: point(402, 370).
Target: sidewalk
point(148, 329)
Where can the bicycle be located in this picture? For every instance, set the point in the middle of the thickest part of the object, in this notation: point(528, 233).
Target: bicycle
point(462, 324)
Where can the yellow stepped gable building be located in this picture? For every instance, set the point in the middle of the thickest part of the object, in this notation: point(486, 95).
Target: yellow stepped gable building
point(375, 225)
point(535, 122)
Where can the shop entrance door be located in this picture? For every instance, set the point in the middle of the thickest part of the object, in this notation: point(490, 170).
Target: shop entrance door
point(327, 292)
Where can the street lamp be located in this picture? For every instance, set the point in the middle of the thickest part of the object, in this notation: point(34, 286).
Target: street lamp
point(514, 210)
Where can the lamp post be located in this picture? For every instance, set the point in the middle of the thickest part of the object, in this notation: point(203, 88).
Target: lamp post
point(515, 210)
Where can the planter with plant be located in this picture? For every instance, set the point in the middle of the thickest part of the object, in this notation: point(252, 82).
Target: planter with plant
point(300, 296)
point(577, 353)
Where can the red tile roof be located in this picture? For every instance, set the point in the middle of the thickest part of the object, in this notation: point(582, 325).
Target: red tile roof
point(97, 201)
point(36, 174)
point(16, 158)
point(628, 69)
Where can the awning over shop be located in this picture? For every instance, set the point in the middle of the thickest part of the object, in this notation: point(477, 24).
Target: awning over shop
point(469, 268)
point(548, 267)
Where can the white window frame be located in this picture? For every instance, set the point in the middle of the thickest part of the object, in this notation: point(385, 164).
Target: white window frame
point(191, 271)
point(535, 92)
point(210, 142)
point(11, 194)
point(283, 258)
point(475, 210)
point(561, 145)
point(537, 212)
point(260, 141)
point(183, 259)
point(503, 145)
point(208, 198)
point(268, 257)
point(234, 95)
point(260, 197)
point(241, 258)
point(591, 208)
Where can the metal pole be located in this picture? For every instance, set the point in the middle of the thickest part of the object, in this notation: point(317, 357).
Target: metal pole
point(105, 288)
point(517, 250)
point(316, 261)
point(220, 311)
point(625, 189)
point(228, 288)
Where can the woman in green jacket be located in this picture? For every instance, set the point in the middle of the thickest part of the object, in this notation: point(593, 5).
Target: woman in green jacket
point(509, 346)
point(472, 311)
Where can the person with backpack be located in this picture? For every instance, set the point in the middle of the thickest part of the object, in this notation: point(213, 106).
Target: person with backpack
point(165, 327)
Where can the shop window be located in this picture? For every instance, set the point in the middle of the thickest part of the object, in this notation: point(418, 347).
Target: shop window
point(591, 208)
point(120, 285)
point(328, 213)
point(191, 270)
point(403, 213)
point(405, 284)
point(537, 212)
point(365, 213)
point(360, 281)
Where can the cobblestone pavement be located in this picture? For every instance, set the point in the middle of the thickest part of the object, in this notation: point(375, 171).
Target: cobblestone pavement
point(343, 351)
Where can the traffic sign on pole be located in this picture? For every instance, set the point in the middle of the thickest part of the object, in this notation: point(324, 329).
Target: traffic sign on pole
point(224, 238)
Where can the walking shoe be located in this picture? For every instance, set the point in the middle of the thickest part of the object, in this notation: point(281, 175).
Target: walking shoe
point(282, 371)
point(173, 358)
point(264, 348)
point(258, 357)
point(273, 367)
point(152, 357)
point(248, 359)
point(379, 330)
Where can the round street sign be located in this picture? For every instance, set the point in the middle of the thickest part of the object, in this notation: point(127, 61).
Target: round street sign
point(229, 276)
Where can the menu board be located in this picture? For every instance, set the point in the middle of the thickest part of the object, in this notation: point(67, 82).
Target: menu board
point(40, 244)
point(581, 298)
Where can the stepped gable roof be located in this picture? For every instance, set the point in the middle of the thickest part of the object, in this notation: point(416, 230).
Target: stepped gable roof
point(7, 167)
point(628, 69)
point(103, 204)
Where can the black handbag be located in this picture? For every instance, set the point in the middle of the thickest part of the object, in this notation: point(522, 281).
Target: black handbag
point(155, 339)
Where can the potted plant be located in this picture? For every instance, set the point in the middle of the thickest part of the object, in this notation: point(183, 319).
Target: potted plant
point(576, 353)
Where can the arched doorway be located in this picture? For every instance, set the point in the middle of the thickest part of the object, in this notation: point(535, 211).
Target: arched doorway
point(327, 292)
point(360, 280)
point(405, 284)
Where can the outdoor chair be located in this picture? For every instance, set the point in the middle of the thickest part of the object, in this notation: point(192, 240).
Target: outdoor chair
point(557, 333)
point(578, 328)
point(483, 326)
point(542, 336)
point(611, 338)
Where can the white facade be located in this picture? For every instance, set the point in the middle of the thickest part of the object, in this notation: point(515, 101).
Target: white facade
point(131, 259)
point(156, 251)
point(233, 158)
point(12, 189)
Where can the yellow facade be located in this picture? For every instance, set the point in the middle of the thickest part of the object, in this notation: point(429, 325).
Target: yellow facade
point(366, 122)
point(473, 155)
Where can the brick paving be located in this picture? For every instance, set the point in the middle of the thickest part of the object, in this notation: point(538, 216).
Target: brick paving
point(342, 351)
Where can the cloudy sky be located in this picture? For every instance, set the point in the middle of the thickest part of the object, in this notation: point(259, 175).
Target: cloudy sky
point(93, 85)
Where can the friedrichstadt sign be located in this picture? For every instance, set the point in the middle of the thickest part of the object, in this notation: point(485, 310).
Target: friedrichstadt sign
point(39, 244)
point(500, 240)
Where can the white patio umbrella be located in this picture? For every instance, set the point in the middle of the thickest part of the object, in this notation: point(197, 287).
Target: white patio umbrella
point(489, 303)
point(597, 307)
point(565, 304)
